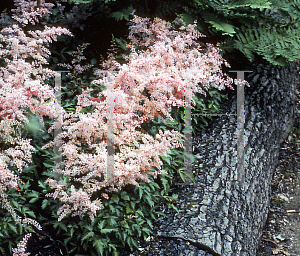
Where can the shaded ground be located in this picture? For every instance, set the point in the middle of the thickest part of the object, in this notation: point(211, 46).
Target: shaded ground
point(282, 231)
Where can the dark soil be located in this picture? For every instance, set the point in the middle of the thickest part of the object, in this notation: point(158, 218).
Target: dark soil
point(282, 231)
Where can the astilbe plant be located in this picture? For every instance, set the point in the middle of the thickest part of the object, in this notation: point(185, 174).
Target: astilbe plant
point(161, 63)
point(21, 247)
point(23, 90)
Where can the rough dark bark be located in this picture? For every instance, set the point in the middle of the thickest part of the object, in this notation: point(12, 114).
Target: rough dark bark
point(217, 216)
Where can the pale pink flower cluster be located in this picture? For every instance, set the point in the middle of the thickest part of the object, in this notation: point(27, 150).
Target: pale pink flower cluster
point(240, 82)
point(165, 63)
point(21, 247)
point(28, 12)
point(78, 202)
point(17, 85)
point(24, 57)
point(22, 86)
point(19, 155)
point(76, 62)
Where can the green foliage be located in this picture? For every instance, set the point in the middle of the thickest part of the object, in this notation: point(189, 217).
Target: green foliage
point(266, 28)
point(127, 215)
point(274, 47)
point(11, 232)
point(208, 104)
point(219, 25)
point(277, 202)
point(123, 14)
point(220, 17)
point(74, 82)
point(247, 26)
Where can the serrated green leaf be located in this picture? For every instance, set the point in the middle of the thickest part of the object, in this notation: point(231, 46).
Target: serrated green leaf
point(146, 230)
point(134, 242)
point(42, 184)
point(190, 175)
point(101, 224)
point(124, 236)
point(124, 196)
point(112, 208)
point(30, 168)
point(180, 161)
point(123, 14)
point(62, 226)
point(181, 174)
point(113, 222)
point(174, 207)
point(33, 200)
point(128, 209)
point(132, 205)
point(155, 185)
point(115, 199)
point(139, 213)
point(108, 230)
point(31, 214)
point(122, 43)
point(257, 4)
point(149, 223)
point(174, 196)
point(165, 158)
point(88, 235)
point(49, 165)
point(15, 204)
point(12, 227)
point(98, 244)
point(149, 200)
point(72, 232)
point(161, 213)
point(124, 224)
point(226, 28)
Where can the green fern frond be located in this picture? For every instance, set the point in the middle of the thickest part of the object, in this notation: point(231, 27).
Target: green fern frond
point(275, 45)
point(219, 25)
point(289, 8)
point(254, 4)
point(123, 14)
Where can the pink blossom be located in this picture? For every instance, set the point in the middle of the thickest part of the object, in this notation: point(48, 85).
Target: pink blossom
point(168, 62)
point(22, 85)
point(27, 11)
point(21, 247)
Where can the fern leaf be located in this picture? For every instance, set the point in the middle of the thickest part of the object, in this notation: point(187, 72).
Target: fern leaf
point(123, 14)
point(254, 4)
point(226, 28)
point(277, 46)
